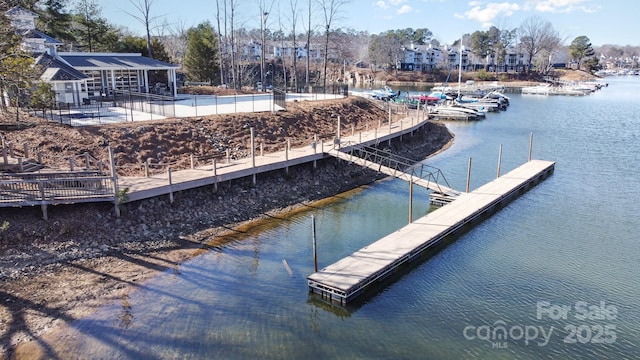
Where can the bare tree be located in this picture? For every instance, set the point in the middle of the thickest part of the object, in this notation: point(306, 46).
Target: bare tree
point(309, 31)
point(264, 6)
point(534, 32)
point(174, 39)
point(330, 10)
point(144, 17)
point(550, 45)
point(221, 46)
point(294, 21)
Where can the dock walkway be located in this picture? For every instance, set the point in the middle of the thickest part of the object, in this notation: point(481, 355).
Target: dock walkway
point(160, 184)
point(347, 278)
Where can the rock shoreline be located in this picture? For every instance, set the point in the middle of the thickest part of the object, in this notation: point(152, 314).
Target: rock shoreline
point(31, 246)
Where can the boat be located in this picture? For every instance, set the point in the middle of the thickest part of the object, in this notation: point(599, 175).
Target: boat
point(451, 111)
point(384, 93)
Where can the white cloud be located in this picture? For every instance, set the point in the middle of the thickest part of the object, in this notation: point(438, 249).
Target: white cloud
point(560, 6)
point(396, 2)
point(382, 5)
point(404, 9)
point(489, 12)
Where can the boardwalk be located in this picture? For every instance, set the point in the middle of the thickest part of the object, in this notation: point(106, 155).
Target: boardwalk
point(163, 184)
point(349, 277)
point(24, 193)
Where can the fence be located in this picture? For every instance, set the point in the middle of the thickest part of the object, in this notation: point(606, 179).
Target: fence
point(123, 106)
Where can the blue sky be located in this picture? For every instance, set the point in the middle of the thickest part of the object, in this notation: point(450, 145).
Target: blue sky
point(603, 22)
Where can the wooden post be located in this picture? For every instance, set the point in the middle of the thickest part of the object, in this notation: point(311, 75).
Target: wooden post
point(87, 162)
point(339, 128)
point(262, 148)
point(146, 168)
point(468, 175)
point(530, 145)
point(170, 185)
point(253, 154)
point(70, 164)
point(25, 150)
point(39, 157)
point(228, 156)
point(192, 161)
point(43, 204)
point(114, 179)
point(286, 157)
point(353, 130)
point(410, 200)
point(389, 125)
point(499, 160)
point(215, 175)
point(4, 155)
point(313, 236)
point(20, 164)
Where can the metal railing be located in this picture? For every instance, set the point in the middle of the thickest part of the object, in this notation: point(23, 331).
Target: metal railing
point(38, 190)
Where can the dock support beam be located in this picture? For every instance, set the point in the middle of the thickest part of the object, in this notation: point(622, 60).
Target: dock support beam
point(530, 145)
point(313, 235)
point(499, 160)
point(410, 200)
point(468, 176)
point(253, 154)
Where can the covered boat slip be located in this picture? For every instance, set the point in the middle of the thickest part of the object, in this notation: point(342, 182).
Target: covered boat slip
point(347, 278)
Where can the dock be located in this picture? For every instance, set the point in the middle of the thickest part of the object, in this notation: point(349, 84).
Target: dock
point(348, 278)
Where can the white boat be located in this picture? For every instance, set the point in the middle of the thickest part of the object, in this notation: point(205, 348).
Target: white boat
point(543, 89)
point(384, 93)
point(452, 111)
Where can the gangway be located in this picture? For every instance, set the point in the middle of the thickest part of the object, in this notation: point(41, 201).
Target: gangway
point(400, 167)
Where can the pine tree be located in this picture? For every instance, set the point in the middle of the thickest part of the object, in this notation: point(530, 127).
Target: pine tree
point(55, 21)
point(201, 60)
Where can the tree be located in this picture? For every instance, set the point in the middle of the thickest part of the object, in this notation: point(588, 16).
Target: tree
point(330, 11)
point(43, 97)
point(386, 49)
point(16, 67)
point(264, 8)
point(94, 32)
point(533, 33)
point(580, 49)
point(137, 44)
point(481, 45)
point(55, 21)
point(294, 21)
point(144, 17)
point(308, 32)
point(201, 59)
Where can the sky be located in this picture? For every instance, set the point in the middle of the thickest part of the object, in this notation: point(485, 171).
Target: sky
point(602, 21)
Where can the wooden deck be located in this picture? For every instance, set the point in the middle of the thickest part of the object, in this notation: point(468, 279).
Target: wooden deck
point(344, 280)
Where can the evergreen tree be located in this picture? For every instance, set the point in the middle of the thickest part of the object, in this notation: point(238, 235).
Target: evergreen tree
point(580, 49)
point(55, 21)
point(16, 67)
point(200, 61)
point(93, 32)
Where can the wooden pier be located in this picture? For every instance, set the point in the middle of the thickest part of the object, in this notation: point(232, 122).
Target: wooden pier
point(349, 277)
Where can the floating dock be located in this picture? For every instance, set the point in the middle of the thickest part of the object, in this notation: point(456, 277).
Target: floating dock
point(349, 277)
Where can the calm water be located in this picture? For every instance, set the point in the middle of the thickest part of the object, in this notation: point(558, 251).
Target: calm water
point(572, 239)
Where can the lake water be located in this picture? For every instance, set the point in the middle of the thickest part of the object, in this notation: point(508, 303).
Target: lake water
point(515, 286)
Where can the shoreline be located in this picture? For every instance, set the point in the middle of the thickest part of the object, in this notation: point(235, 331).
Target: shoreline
point(102, 258)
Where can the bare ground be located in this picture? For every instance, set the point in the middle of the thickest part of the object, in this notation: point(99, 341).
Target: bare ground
point(56, 271)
